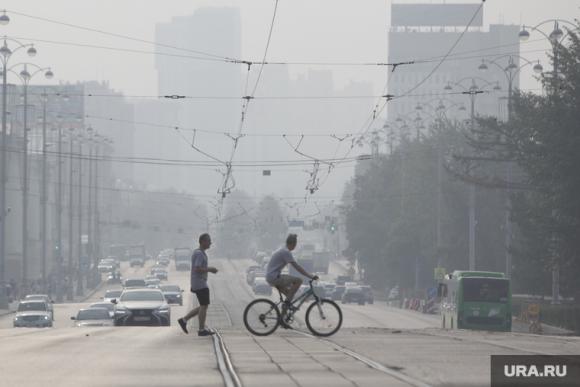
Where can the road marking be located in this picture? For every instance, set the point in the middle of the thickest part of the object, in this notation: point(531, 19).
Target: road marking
point(369, 362)
point(225, 365)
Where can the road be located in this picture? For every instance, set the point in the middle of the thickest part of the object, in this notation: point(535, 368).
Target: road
point(377, 346)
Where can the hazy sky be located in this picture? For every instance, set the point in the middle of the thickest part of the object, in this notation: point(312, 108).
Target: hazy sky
point(305, 30)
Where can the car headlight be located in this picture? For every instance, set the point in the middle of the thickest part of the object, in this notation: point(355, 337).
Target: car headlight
point(163, 310)
point(46, 317)
point(121, 311)
point(178, 296)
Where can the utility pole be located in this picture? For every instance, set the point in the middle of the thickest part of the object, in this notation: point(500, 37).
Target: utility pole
point(58, 250)
point(472, 92)
point(80, 269)
point(44, 195)
point(69, 294)
point(90, 242)
point(25, 188)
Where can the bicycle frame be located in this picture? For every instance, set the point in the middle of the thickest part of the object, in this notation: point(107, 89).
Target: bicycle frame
point(301, 299)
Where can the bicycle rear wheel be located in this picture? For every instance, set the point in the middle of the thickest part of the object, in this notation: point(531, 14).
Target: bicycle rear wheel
point(261, 317)
point(323, 318)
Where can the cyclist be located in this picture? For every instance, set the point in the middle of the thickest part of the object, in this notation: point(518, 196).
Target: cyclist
point(287, 284)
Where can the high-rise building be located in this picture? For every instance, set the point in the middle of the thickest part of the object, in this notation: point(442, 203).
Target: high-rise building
point(216, 31)
point(427, 32)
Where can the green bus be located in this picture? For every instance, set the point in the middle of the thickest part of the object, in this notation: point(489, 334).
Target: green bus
point(476, 300)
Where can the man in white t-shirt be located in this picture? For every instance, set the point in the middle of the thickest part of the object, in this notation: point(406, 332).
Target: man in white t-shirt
point(287, 284)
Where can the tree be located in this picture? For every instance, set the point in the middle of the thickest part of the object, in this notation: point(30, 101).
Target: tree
point(271, 224)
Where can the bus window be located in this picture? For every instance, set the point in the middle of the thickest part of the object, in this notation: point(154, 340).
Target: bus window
point(485, 290)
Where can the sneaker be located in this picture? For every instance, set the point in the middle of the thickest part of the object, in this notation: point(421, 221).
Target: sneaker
point(183, 324)
point(205, 332)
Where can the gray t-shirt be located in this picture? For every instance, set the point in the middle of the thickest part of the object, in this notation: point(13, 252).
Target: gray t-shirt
point(198, 280)
point(279, 260)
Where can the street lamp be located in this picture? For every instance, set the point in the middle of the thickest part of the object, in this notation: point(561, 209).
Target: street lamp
point(472, 91)
point(555, 38)
point(25, 77)
point(5, 55)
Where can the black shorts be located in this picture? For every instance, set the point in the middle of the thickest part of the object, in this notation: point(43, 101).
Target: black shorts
point(202, 296)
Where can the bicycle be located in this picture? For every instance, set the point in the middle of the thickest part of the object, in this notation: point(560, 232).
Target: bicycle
point(323, 317)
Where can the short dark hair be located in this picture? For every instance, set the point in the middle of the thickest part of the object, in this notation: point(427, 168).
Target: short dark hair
point(203, 237)
point(292, 239)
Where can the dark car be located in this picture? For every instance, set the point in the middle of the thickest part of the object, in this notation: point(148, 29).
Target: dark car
point(162, 262)
point(135, 283)
point(105, 305)
point(353, 294)
point(137, 262)
point(161, 274)
point(146, 307)
point(338, 292)
point(368, 292)
point(173, 294)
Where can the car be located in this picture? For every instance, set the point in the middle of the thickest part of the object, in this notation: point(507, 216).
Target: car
point(152, 282)
point(135, 283)
point(161, 274)
point(338, 292)
point(32, 314)
point(45, 298)
point(353, 294)
point(106, 265)
point(112, 294)
point(368, 292)
point(173, 294)
point(262, 287)
point(253, 275)
point(106, 305)
point(93, 317)
point(393, 294)
point(162, 262)
point(137, 262)
point(114, 278)
point(252, 268)
point(329, 288)
point(142, 307)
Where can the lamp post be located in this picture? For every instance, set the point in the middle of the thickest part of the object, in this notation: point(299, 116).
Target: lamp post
point(555, 38)
point(5, 55)
point(25, 77)
point(511, 70)
point(472, 92)
point(440, 112)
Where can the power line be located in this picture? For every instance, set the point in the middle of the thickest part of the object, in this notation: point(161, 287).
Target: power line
point(116, 35)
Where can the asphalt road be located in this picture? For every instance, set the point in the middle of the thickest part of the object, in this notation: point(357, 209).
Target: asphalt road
point(407, 348)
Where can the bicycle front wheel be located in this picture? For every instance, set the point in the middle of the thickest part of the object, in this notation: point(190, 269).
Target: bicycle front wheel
point(323, 318)
point(261, 317)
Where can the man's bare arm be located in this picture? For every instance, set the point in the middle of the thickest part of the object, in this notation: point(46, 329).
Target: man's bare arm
point(301, 270)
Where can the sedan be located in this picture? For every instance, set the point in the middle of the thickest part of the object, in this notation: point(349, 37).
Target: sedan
point(353, 294)
point(93, 317)
point(142, 307)
point(32, 314)
point(161, 274)
point(105, 305)
point(173, 294)
point(135, 283)
point(111, 295)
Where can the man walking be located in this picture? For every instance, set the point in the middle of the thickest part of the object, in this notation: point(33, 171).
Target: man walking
point(199, 270)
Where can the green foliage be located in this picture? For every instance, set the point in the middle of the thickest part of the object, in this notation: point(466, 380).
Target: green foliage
point(271, 224)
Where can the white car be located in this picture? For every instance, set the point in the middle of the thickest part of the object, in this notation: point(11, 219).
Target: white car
point(93, 317)
point(32, 314)
point(105, 305)
point(42, 297)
